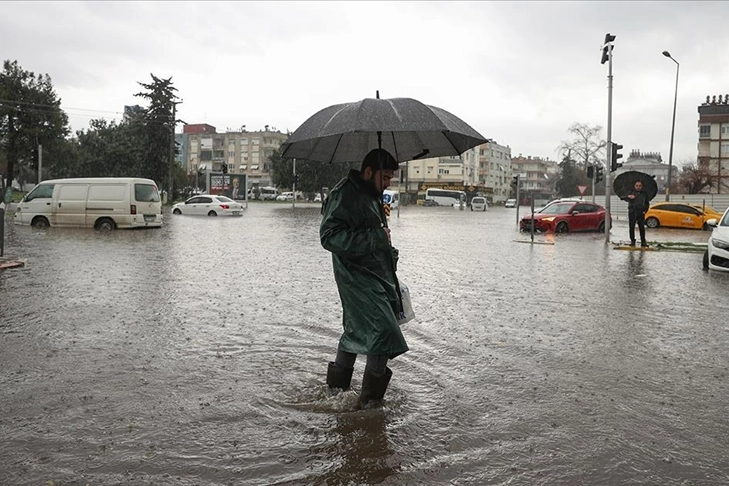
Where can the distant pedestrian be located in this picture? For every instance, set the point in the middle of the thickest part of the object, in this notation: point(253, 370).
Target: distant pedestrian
point(638, 203)
point(354, 228)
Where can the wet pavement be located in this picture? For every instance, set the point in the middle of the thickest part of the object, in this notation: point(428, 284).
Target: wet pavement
point(196, 354)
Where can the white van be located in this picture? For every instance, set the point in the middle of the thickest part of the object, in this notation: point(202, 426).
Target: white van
point(264, 193)
point(101, 203)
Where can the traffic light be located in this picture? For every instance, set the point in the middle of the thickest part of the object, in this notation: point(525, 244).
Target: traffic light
point(225, 168)
point(296, 178)
point(590, 171)
point(598, 174)
point(605, 53)
point(515, 181)
point(615, 156)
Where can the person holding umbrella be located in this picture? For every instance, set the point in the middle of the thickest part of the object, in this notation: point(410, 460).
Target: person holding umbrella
point(354, 229)
point(638, 203)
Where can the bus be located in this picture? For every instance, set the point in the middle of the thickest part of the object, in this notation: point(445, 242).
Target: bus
point(443, 197)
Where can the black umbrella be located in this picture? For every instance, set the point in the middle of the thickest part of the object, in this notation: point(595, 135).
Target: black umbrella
point(624, 183)
point(406, 128)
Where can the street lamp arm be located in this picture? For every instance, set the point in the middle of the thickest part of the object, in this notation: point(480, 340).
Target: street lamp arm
point(673, 127)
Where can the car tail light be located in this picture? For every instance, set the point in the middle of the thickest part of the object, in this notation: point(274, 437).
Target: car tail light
point(133, 209)
point(224, 206)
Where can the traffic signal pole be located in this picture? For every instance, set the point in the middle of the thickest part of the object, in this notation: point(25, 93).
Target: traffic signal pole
point(608, 49)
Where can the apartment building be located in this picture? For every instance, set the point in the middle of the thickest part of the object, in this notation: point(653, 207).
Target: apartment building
point(714, 140)
point(538, 175)
point(494, 169)
point(244, 152)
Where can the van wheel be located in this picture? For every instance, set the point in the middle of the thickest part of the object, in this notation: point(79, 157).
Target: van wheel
point(40, 223)
point(212, 213)
point(176, 211)
point(105, 224)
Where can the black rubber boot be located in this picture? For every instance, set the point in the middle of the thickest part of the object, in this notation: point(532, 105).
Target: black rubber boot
point(339, 376)
point(374, 386)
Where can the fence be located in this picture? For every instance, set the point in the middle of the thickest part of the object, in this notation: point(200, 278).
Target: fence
point(619, 209)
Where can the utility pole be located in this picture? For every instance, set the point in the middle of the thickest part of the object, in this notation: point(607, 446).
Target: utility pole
point(607, 55)
point(173, 123)
point(40, 163)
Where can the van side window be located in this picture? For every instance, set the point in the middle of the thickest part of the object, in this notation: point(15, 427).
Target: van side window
point(145, 193)
point(44, 191)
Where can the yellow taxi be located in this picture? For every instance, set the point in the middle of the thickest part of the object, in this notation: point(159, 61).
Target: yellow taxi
point(679, 215)
point(709, 211)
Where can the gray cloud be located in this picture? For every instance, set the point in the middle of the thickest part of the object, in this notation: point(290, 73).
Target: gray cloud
point(520, 72)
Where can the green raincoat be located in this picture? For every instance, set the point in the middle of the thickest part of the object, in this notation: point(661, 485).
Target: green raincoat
point(364, 268)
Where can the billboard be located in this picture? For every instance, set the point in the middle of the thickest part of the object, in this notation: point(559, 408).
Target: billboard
point(230, 184)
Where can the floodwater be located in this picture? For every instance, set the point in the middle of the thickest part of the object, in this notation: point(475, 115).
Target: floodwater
point(196, 354)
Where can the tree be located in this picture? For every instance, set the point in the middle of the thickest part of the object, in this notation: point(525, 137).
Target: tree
point(108, 149)
point(586, 148)
point(30, 114)
point(694, 178)
point(159, 127)
point(313, 175)
point(587, 145)
point(570, 177)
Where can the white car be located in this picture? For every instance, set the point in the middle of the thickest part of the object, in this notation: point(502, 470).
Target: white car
point(479, 204)
point(716, 256)
point(209, 205)
point(510, 203)
point(285, 196)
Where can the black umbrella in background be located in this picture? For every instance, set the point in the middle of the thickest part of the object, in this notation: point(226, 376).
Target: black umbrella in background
point(406, 128)
point(624, 183)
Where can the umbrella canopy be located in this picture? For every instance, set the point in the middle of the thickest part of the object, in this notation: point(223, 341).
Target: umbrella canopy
point(624, 183)
point(406, 128)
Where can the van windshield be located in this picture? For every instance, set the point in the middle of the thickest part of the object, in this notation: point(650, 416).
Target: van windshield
point(45, 191)
point(146, 193)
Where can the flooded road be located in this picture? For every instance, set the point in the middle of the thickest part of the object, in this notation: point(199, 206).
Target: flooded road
point(197, 353)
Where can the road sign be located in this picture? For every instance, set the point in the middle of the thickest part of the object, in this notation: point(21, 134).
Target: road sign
point(582, 190)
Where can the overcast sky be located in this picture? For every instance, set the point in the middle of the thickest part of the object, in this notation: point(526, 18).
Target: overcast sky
point(518, 72)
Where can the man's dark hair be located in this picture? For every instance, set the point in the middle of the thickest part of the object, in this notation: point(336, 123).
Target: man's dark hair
point(380, 158)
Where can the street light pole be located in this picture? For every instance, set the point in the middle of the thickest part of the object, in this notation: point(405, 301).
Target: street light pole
point(673, 127)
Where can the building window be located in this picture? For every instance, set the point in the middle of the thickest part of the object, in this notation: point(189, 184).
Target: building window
point(231, 153)
point(725, 149)
point(725, 129)
point(443, 171)
point(704, 131)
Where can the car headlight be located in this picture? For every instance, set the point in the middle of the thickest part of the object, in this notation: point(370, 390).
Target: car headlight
point(549, 220)
point(717, 243)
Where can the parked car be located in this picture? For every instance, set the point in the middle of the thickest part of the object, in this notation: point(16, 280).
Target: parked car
point(716, 256)
point(564, 216)
point(479, 204)
point(317, 197)
point(285, 196)
point(676, 215)
point(510, 203)
point(207, 205)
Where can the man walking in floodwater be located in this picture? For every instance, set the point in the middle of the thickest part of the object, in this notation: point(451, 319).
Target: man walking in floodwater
point(354, 228)
point(637, 206)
